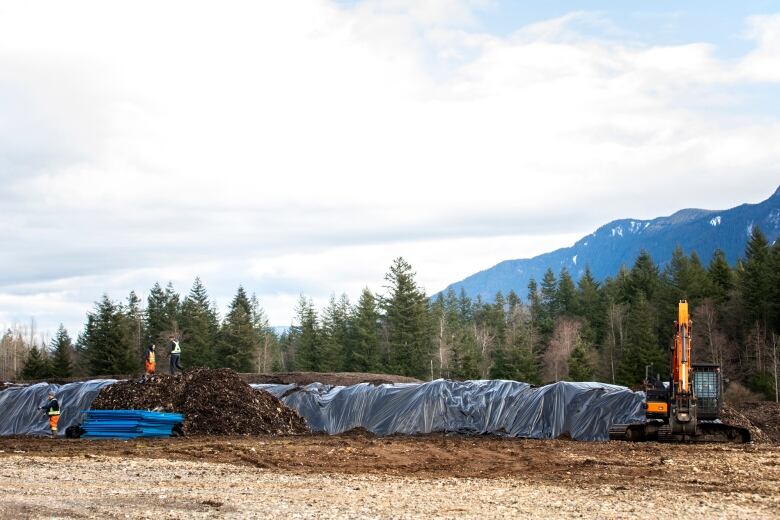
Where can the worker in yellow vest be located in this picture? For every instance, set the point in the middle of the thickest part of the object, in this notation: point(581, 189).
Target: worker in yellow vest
point(175, 355)
point(52, 409)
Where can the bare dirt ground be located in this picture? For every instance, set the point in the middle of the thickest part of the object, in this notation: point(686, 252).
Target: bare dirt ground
point(360, 476)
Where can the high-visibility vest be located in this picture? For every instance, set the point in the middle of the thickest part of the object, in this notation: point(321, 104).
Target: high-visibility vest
point(176, 348)
point(150, 358)
point(52, 411)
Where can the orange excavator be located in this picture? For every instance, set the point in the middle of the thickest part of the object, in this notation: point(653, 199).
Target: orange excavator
point(687, 408)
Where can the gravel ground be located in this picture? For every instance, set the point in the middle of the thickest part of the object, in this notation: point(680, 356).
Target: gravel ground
point(103, 487)
point(364, 477)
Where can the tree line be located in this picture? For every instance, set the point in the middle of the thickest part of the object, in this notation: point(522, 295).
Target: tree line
point(612, 331)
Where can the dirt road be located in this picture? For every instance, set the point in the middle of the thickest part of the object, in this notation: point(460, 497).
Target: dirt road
point(359, 476)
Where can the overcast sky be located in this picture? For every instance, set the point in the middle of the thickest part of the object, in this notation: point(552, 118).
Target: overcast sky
point(299, 146)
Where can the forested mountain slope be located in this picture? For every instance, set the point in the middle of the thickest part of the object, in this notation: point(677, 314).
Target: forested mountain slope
point(620, 241)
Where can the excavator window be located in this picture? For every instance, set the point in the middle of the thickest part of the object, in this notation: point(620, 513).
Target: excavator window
point(706, 387)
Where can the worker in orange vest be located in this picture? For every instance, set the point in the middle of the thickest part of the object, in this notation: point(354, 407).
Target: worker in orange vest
point(52, 409)
point(150, 361)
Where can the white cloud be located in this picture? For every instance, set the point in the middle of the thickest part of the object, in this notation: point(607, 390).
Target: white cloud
point(302, 146)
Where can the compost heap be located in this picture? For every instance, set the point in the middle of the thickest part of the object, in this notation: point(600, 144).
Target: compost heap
point(730, 415)
point(213, 401)
point(764, 415)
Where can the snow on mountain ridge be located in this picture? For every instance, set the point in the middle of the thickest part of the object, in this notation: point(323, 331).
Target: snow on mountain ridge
point(697, 230)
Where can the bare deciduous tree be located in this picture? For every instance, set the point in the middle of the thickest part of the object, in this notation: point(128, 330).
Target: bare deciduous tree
point(485, 337)
point(616, 333)
point(565, 336)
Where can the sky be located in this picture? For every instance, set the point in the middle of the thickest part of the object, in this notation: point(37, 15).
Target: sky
point(299, 147)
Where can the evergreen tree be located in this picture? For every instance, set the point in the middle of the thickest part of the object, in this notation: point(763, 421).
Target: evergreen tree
point(105, 343)
point(306, 337)
point(337, 349)
point(721, 276)
point(520, 358)
point(755, 279)
point(642, 348)
point(62, 348)
point(580, 366)
point(464, 355)
point(774, 287)
point(549, 294)
point(236, 345)
point(406, 318)
point(199, 327)
point(36, 366)
point(465, 306)
point(162, 316)
point(548, 303)
point(535, 304)
point(565, 294)
point(365, 339)
point(643, 277)
point(700, 286)
point(136, 333)
point(588, 305)
point(512, 301)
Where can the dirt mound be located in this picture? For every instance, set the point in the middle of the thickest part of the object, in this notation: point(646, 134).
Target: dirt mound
point(213, 401)
point(326, 378)
point(731, 416)
point(765, 415)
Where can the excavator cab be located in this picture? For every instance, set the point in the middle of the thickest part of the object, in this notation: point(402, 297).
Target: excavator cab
point(707, 387)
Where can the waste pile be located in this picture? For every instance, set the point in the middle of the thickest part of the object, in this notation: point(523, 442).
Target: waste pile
point(213, 402)
point(129, 424)
point(764, 415)
point(582, 411)
point(730, 415)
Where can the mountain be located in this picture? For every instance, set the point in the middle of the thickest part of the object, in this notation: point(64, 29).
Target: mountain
point(619, 242)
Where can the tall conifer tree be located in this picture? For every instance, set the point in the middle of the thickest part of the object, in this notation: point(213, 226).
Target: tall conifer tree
point(237, 339)
point(407, 321)
point(199, 327)
point(105, 343)
point(365, 339)
point(62, 351)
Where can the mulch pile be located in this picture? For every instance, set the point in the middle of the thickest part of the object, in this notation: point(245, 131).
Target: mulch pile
point(730, 415)
point(213, 402)
point(765, 415)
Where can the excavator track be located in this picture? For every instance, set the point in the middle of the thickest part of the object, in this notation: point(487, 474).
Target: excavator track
point(665, 434)
point(706, 432)
point(636, 432)
point(721, 432)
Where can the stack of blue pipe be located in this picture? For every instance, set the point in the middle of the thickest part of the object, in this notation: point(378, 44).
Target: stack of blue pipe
point(128, 424)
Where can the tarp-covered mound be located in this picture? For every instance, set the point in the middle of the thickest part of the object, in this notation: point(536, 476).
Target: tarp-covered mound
point(19, 414)
point(213, 401)
point(583, 411)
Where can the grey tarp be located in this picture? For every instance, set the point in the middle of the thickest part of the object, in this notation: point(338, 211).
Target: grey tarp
point(582, 410)
point(19, 414)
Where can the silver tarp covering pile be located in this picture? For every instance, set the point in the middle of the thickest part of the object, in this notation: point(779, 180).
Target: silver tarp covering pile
point(19, 414)
point(583, 411)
